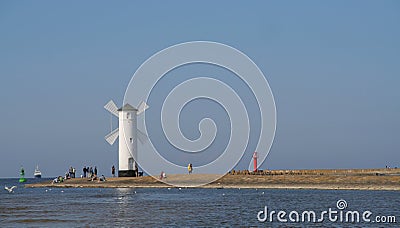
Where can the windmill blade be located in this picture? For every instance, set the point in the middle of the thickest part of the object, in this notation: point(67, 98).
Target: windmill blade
point(142, 107)
point(110, 138)
point(142, 136)
point(112, 108)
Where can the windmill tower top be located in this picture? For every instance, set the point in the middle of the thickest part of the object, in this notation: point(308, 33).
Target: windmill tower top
point(114, 110)
point(127, 107)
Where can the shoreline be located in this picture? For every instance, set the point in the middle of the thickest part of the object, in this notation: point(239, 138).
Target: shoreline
point(371, 179)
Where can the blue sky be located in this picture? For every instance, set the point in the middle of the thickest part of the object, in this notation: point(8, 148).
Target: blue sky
point(333, 68)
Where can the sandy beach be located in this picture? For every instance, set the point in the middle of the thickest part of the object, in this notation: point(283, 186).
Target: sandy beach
point(371, 179)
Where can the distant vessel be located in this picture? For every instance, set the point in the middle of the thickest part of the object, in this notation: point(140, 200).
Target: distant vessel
point(22, 175)
point(37, 173)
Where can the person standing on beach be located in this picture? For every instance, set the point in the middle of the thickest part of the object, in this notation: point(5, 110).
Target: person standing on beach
point(113, 171)
point(84, 171)
point(90, 172)
point(190, 168)
point(95, 170)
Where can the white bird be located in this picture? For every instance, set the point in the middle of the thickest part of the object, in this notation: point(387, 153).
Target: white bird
point(10, 190)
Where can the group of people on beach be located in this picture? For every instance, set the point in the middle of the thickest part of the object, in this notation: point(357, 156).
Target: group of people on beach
point(89, 171)
point(91, 174)
point(70, 173)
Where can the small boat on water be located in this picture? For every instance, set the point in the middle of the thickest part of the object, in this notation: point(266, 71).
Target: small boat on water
point(37, 173)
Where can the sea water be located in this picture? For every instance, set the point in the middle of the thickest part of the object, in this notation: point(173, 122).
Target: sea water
point(174, 207)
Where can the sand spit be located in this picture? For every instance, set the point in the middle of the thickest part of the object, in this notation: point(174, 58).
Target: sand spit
point(354, 179)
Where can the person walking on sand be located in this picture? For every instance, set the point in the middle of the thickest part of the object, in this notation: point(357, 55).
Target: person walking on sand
point(113, 171)
point(190, 168)
point(95, 170)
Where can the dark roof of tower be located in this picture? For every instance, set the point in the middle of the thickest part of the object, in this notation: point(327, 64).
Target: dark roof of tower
point(127, 107)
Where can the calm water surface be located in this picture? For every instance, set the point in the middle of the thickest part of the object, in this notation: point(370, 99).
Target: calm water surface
point(144, 207)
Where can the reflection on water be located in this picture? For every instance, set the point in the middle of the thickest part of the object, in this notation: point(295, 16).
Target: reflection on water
point(70, 207)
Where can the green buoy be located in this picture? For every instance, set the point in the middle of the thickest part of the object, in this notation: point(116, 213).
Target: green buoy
point(22, 176)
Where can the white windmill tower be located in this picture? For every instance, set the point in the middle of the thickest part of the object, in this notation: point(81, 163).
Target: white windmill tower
point(128, 135)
